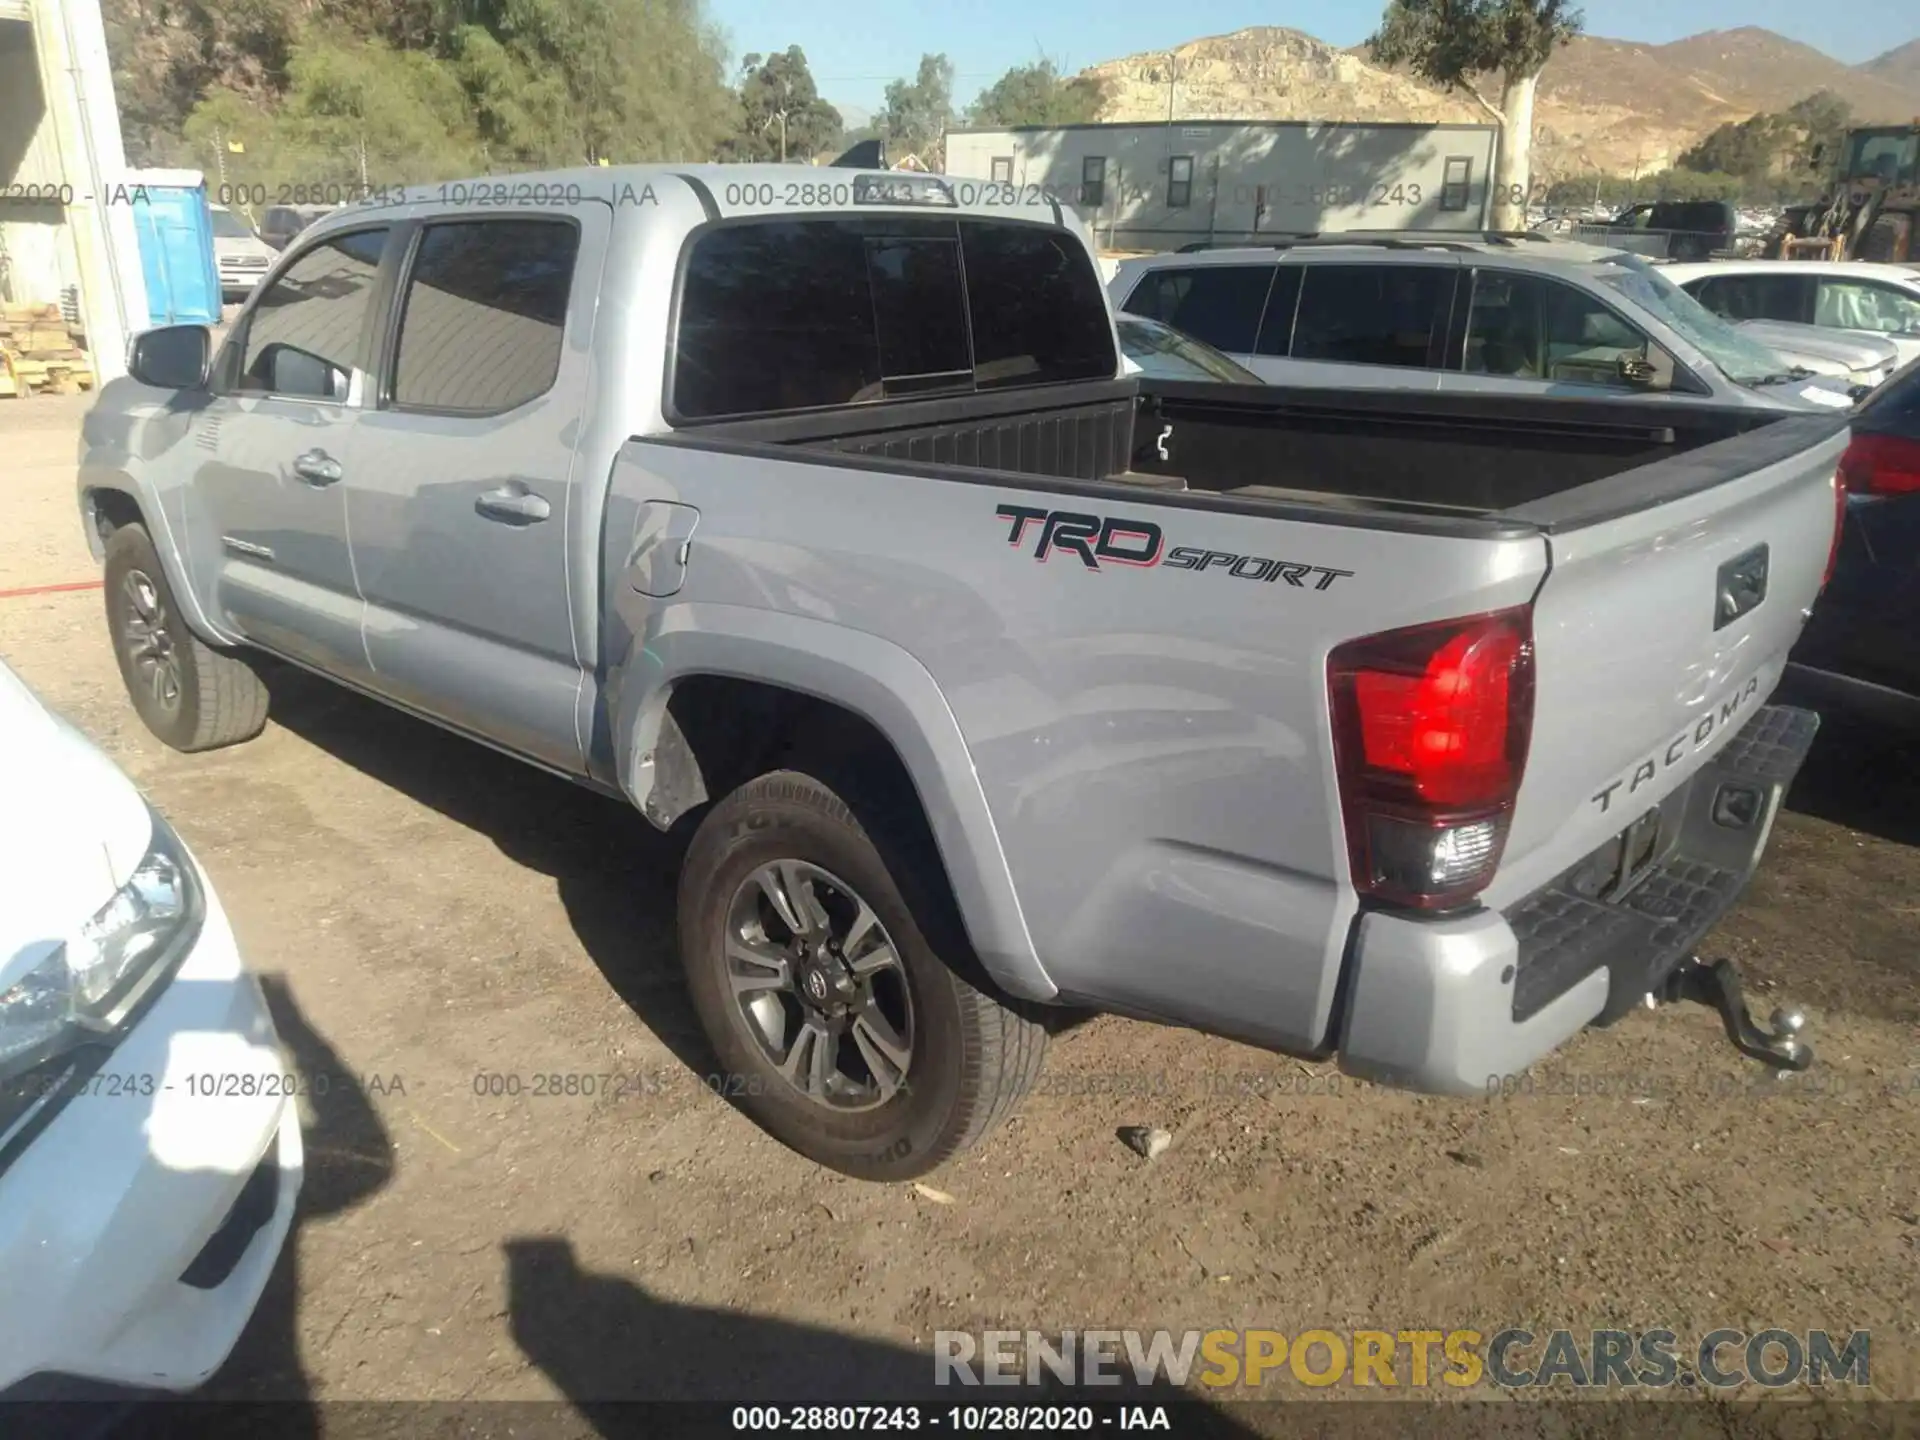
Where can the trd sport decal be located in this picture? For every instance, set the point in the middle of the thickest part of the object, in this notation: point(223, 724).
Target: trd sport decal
point(1096, 540)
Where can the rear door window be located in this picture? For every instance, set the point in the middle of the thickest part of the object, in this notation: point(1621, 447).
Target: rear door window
point(1220, 304)
point(1868, 305)
point(800, 314)
point(1506, 327)
point(1756, 297)
point(1372, 314)
point(483, 314)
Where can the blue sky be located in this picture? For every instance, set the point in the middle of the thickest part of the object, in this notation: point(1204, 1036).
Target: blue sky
point(856, 46)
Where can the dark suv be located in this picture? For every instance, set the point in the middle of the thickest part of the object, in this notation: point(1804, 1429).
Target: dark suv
point(1861, 649)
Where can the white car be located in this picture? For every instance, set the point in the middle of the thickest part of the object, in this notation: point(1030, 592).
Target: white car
point(1851, 355)
point(241, 257)
point(1833, 294)
point(150, 1150)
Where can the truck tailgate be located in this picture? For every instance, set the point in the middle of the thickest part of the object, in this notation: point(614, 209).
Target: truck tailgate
point(1674, 594)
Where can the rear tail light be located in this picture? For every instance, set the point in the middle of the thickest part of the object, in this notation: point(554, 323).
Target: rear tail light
point(1881, 465)
point(1430, 732)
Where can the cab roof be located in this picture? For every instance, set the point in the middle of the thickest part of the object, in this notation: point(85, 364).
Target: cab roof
point(727, 191)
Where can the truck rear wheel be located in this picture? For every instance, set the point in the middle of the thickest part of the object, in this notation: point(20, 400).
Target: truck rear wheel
point(189, 694)
point(842, 1025)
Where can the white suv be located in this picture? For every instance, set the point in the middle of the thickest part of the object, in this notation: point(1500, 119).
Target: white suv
point(1832, 294)
point(1513, 314)
point(241, 256)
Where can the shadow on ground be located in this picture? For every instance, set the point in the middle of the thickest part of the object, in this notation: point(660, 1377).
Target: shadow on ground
point(614, 872)
point(1862, 775)
point(349, 1159)
point(605, 1344)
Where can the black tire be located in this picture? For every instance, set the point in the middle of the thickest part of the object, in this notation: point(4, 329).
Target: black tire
point(973, 1056)
point(193, 696)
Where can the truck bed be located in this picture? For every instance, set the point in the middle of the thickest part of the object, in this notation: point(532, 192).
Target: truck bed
point(1412, 460)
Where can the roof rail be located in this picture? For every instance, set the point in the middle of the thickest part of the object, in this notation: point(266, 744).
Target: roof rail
point(1386, 239)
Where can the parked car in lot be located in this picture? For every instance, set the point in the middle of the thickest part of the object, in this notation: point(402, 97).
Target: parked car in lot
point(1164, 353)
point(1420, 729)
point(1675, 229)
point(1831, 294)
point(1860, 360)
point(241, 257)
point(1512, 315)
point(1861, 650)
point(282, 222)
point(150, 1156)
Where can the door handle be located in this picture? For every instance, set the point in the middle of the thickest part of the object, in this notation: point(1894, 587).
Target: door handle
point(514, 505)
point(316, 467)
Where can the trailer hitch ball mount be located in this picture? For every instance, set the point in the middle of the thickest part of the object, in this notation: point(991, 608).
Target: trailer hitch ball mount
point(1781, 1044)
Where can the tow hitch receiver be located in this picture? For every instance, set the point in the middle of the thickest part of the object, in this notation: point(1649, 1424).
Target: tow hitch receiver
point(1780, 1045)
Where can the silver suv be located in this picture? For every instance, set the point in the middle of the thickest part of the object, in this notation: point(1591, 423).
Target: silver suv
point(1514, 314)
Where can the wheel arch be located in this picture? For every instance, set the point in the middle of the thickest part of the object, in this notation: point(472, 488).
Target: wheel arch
point(785, 682)
point(113, 500)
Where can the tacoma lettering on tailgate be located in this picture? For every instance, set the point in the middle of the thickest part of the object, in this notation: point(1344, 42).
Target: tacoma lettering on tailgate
point(1704, 729)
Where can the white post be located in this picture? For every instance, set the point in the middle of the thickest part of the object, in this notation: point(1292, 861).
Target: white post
point(77, 80)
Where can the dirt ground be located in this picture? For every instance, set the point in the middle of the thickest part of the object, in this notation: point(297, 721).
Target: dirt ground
point(428, 914)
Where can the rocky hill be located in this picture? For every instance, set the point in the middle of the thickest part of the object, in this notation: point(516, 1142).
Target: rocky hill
point(1606, 106)
point(1900, 67)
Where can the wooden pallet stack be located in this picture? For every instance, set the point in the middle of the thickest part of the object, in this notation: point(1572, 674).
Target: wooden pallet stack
point(39, 353)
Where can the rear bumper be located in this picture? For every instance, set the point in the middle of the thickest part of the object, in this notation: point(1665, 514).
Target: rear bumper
point(1453, 1005)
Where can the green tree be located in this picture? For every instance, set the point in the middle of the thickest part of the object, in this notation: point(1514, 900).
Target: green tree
point(1744, 147)
point(166, 54)
point(235, 141)
point(582, 81)
point(1037, 94)
point(1684, 183)
point(416, 89)
point(918, 112)
point(1823, 117)
point(781, 113)
point(1774, 154)
point(359, 112)
point(1457, 42)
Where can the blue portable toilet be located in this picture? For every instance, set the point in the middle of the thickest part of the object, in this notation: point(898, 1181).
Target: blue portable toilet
point(175, 226)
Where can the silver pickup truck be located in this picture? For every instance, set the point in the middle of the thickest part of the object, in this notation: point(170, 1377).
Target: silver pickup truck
point(810, 512)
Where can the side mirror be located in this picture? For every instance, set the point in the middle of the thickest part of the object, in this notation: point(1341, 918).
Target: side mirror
point(292, 371)
point(1635, 369)
point(175, 357)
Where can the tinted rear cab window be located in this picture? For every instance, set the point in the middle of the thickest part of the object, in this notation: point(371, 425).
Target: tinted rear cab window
point(789, 315)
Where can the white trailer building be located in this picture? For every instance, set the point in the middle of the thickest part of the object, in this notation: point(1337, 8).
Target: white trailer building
point(66, 229)
point(1154, 187)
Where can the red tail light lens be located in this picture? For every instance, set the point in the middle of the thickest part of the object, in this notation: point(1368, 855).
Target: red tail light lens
point(1430, 728)
point(1881, 465)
